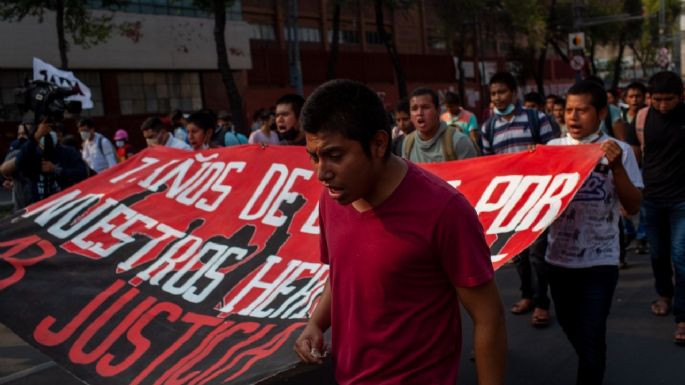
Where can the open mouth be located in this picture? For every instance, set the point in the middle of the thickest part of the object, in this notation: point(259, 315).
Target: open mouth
point(334, 192)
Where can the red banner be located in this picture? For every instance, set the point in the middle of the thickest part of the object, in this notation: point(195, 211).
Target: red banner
point(200, 268)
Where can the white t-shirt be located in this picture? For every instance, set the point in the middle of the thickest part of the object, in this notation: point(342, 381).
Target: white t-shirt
point(175, 143)
point(586, 234)
point(98, 153)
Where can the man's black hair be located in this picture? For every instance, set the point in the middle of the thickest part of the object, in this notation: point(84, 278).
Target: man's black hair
point(203, 119)
point(403, 106)
point(551, 96)
point(595, 79)
point(637, 86)
point(296, 102)
point(348, 108)
point(88, 122)
point(504, 78)
point(452, 98)
point(534, 97)
point(153, 123)
point(613, 91)
point(666, 82)
point(559, 101)
point(175, 116)
point(598, 97)
point(427, 91)
point(265, 114)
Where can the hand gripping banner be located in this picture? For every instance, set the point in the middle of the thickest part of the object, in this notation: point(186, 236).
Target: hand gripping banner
point(200, 268)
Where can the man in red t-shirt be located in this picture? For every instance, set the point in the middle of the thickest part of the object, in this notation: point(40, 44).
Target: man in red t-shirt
point(404, 249)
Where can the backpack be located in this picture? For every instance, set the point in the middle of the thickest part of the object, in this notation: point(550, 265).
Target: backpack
point(240, 138)
point(533, 119)
point(447, 144)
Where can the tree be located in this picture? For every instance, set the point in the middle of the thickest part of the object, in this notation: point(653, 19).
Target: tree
point(389, 43)
point(646, 45)
point(335, 40)
point(71, 16)
point(218, 9)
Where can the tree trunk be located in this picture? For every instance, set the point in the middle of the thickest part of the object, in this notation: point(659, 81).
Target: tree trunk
point(335, 44)
point(619, 59)
point(61, 41)
point(294, 64)
point(593, 66)
point(460, 67)
point(232, 92)
point(392, 51)
point(540, 70)
point(559, 51)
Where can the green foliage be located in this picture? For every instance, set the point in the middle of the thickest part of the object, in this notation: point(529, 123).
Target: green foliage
point(84, 28)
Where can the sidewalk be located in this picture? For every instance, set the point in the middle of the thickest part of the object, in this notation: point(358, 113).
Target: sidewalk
point(641, 351)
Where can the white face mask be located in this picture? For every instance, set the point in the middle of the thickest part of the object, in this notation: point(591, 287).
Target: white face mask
point(154, 141)
point(588, 139)
point(119, 143)
point(85, 135)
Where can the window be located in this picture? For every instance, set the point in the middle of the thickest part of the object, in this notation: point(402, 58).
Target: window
point(9, 81)
point(92, 80)
point(305, 34)
point(170, 7)
point(262, 32)
point(158, 92)
point(345, 37)
point(373, 37)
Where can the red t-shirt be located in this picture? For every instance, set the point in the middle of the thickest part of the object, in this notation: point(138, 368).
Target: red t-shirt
point(394, 269)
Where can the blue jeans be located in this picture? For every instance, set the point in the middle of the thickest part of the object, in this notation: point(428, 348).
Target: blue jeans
point(665, 225)
point(582, 300)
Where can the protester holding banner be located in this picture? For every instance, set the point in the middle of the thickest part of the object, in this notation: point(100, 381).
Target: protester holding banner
point(288, 109)
point(583, 243)
point(404, 248)
point(514, 129)
point(156, 133)
point(662, 136)
point(96, 150)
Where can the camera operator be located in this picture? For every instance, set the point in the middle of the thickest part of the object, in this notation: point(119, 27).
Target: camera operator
point(47, 166)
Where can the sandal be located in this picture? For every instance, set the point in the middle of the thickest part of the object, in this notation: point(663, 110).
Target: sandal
point(661, 306)
point(523, 306)
point(679, 335)
point(540, 318)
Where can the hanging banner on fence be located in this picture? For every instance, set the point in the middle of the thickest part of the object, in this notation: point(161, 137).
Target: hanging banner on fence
point(200, 268)
point(65, 79)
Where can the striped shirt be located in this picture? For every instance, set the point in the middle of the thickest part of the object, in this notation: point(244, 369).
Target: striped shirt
point(515, 135)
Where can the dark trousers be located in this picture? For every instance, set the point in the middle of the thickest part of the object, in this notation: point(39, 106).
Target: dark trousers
point(665, 224)
point(530, 265)
point(582, 300)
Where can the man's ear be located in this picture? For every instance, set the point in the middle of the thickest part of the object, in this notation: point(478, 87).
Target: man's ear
point(603, 114)
point(380, 144)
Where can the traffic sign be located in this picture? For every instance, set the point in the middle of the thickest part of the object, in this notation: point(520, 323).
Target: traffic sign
point(577, 62)
point(576, 41)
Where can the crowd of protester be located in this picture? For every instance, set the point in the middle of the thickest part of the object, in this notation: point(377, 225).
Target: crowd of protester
point(640, 129)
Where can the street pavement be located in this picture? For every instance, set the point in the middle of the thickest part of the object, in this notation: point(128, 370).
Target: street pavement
point(640, 347)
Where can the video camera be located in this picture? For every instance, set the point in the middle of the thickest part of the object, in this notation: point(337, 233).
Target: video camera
point(45, 99)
